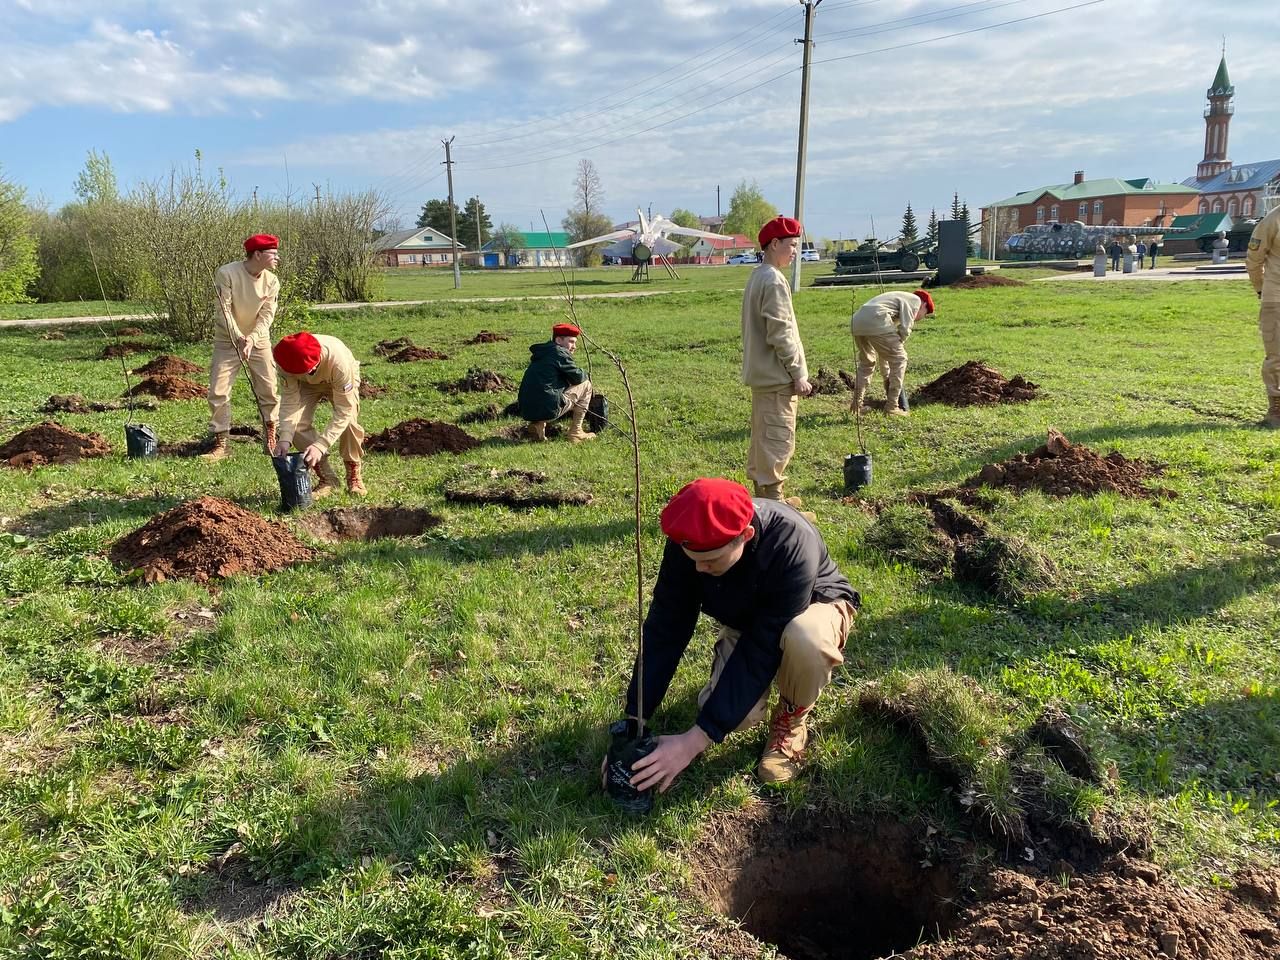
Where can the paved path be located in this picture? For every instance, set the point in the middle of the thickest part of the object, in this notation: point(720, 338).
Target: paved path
point(1159, 273)
point(136, 317)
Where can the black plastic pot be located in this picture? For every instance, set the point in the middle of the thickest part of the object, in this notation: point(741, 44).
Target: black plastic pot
point(598, 412)
point(857, 471)
point(625, 748)
point(140, 441)
point(295, 481)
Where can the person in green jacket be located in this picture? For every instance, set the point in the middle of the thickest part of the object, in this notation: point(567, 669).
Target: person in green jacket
point(554, 385)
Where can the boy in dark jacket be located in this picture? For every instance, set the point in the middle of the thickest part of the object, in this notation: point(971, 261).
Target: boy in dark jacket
point(554, 385)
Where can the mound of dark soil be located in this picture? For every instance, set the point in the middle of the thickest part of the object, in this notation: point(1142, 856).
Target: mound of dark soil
point(167, 365)
point(51, 443)
point(479, 381)
point(129, 332)
point(826, 382)
point(487, 336)
point(412, 354)
point(369, 523)
point(384, 348)
point(421, 438)
point(169, 388)
point(512, 488)
point(113, 350)
point(1126, 911)
point(74, 403)
point(1061, 468)
point(975, 384)
point(369, 390)
point(207, 538)
point(978, 281)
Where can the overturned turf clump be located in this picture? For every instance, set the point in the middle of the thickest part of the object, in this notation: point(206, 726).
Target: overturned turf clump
point(979, 281)
point(207, 538)
point(513, 488)
point(975, 384)
point(487, 336)
point(936, 534)
point(113, 350)
point(129, 332)
point(53, 335)
point(74, 403)
point(1061, 468)
point(422, 438)
point(826, 382)
point(370, 390)
point(169, 388)
point(479, 381)
point(51, 443)
point(384, 348)
point(369, 523)
point(413, 354)
point(1125, 910)
point(486, 414)
point(167, 365)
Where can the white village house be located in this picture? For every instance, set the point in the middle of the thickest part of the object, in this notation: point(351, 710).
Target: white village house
point(419, 247)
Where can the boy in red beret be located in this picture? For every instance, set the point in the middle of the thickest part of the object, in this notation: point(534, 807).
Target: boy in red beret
point(248, 293)
point(317, 367)
point(880, 328)
point(761, 570)
point(773, 363)
point(554, 385)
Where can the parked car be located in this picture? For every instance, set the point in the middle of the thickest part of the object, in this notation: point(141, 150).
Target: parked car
point(739, 258)
point(810, 256)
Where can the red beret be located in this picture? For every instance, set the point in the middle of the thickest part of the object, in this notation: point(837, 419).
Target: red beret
point(565, 330)
point(925, 296)
point(779, 227)
point(707, 514)
point(261, 241)
point(297, 353)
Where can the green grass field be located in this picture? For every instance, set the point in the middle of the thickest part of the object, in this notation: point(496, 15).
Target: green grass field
point(394, 750)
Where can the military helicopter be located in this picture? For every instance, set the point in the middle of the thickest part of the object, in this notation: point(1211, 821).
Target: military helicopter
point(646, 242)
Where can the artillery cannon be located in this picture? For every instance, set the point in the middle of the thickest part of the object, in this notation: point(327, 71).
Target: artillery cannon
point(872, 256)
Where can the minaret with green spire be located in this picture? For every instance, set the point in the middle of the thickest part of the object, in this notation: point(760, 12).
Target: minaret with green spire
point(1217, 122)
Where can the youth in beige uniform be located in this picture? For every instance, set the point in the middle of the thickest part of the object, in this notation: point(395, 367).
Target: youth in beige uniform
point(880, 328)
point(1263, 262)
point(246, 307)
point(773, 362)
point(336, 376)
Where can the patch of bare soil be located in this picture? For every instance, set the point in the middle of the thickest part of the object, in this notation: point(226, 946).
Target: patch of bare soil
point(479, 381)
point(122, 349)
point(818, 887)
point(485, 414)
point(384, 348)
point(980, 281)
point(229, 892)
point(1061, 468)
point(137, 650)
point(826, 382)
point(369, 390)
point(411, 354)
point(129, 332)
point(207, 538)
point(167, 365)
point(421, 438)
point(520, 489)
point(975, 384)
point(50, 442)
point(1126, 911)
point(368, 523)
point(487, 336)
point(240, 433)
point(74, 403)
point(169, 388)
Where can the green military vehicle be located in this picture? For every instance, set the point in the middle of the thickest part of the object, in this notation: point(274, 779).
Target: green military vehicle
point(871, 256)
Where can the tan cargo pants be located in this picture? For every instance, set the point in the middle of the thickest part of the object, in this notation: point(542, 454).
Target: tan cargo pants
point(773, 439)
point(351, 442)
point(1269, 327)
point(889, 353)
point(222, 376)
point(578, 395)
point(811, 650)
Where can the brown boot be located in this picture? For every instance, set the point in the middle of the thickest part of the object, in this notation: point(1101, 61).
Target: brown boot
point(1272, 419)
point(536, 430)
point(859, 397)
point(269, 438)
point(788, 735)
point(221, 447)
point(576, 434)
point(326, 481)
point(891, 408)
point(355, 483)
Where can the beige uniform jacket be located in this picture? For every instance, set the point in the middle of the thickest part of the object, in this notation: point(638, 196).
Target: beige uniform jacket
point(247, 303)
point(337, 377)
point(772, 354)
point(885, 314)
point(1263, 260)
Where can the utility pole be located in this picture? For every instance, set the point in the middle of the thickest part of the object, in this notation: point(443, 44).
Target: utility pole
point(810, 8)
point(479, 231)
point(717, 201)
point(453, 214)
point(317, 186)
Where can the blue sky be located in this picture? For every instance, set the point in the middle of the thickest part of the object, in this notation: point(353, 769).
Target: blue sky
point(669, 98)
